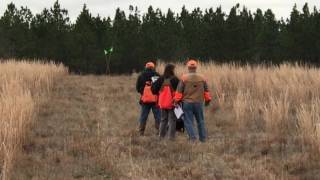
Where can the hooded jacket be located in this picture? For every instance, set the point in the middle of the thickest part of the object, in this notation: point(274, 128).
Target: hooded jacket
point(145, 76)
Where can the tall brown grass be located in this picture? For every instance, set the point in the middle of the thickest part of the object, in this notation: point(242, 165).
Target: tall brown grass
point(309, 124)
point(283, 99)
point(267, 128)
point(22, 85)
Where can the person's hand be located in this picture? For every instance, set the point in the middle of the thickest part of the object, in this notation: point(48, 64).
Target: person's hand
point(207, 103)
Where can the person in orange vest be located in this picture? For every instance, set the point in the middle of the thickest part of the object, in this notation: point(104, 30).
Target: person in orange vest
point(193, 91)
point(148, 100)
point(165, 88)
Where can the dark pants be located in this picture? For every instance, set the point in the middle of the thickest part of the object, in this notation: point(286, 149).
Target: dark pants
point(194, 110)
point(145, 110)
point(168, 119)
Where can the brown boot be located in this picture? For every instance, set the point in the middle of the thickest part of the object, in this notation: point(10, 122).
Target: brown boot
point(142, 127)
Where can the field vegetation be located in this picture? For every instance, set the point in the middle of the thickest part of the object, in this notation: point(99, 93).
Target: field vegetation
point(23, 86)
point(267, 127)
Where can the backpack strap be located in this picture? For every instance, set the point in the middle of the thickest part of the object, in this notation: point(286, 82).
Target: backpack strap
point(167, 82)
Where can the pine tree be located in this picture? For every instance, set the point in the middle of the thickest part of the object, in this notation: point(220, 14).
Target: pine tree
point(50, 31)
point(150, 30)
point(169, 37)
point(267, 38)
point(214, 34)
point(240, 37)
point(15, 28)
point(233, 39)
point(85, 52)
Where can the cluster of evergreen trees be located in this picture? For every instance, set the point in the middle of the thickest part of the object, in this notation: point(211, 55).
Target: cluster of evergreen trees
point(240, 36)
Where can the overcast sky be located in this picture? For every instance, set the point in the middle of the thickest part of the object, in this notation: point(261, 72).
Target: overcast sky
point(106, 8)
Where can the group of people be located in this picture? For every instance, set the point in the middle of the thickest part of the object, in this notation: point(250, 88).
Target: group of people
point(163, 93)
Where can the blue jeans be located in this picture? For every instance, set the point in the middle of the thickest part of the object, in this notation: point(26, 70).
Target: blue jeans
point(145, 110)
point(194, 110)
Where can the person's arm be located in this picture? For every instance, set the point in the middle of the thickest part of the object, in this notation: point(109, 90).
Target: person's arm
point(179, 92)
point(174, 83)
point(140, 84)
point(156, 86)
point(207, 96)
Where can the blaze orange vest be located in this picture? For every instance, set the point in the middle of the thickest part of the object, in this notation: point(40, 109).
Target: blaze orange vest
point(148, 96)
point(166, 95)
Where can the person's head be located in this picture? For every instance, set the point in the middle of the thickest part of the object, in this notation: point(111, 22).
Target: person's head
point(192, 65)
point(150, 65)
point(169, 71)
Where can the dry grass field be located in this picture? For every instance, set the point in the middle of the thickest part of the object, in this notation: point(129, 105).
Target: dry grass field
point(267, 127)
point(23, 86)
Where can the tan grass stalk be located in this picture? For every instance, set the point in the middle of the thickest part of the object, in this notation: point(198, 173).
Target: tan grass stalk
point(22, 85)
point(309, 125)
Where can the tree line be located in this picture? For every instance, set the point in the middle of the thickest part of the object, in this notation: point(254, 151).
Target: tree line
point(241, 36)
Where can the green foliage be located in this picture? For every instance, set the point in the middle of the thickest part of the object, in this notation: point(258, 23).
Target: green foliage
point(239, 36)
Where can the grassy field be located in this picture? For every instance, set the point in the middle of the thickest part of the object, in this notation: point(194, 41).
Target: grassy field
point(266, 128)
point(23, 86)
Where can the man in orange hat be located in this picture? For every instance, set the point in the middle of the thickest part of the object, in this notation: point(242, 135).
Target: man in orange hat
point(193, 91)
point(148, 100)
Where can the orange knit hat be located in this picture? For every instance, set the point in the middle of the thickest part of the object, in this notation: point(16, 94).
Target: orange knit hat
point(150, 65)
point(192, 63)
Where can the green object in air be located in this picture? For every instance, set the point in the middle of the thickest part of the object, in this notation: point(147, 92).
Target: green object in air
point(108, 51)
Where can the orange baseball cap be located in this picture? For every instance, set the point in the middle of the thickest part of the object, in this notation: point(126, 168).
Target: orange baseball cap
point(192, 63)
point(150, 65)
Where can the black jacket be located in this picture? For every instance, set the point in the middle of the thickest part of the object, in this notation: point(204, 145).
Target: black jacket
point(145, 76)
point(156, 86)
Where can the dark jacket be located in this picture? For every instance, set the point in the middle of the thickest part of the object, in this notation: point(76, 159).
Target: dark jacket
point(145, 76)
point(156, 86)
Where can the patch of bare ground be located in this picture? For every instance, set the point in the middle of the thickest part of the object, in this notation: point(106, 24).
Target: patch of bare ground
point(88, 131)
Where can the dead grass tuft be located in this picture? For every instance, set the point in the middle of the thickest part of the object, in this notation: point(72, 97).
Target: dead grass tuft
point(22, 85)
point(267, 128)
